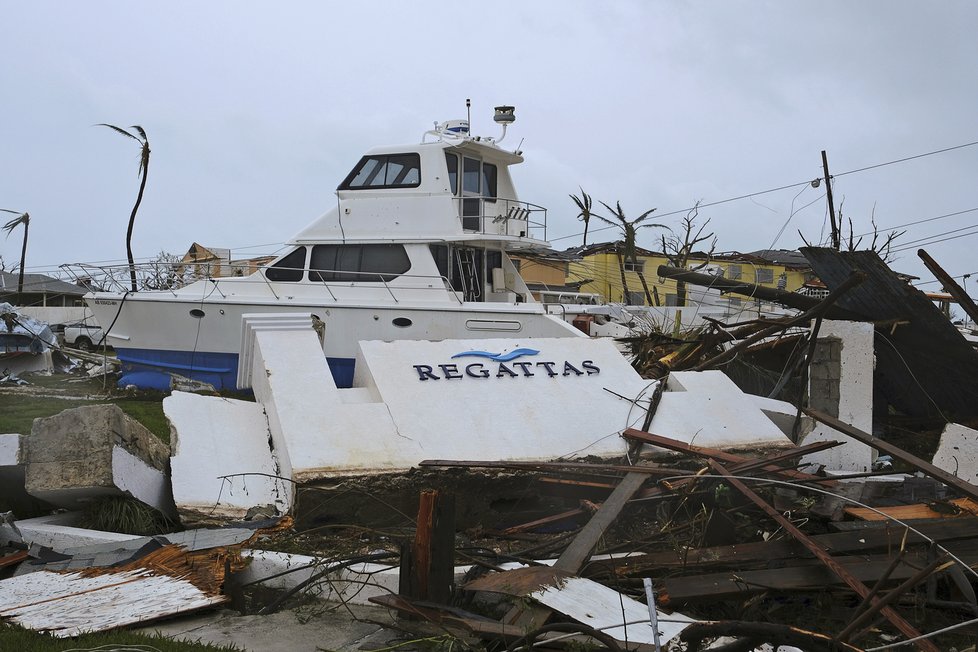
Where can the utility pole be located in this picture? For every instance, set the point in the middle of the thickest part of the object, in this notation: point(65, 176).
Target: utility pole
point(828, 193)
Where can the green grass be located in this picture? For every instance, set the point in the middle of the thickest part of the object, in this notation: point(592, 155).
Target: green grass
point(17, 412)
point(22, 640)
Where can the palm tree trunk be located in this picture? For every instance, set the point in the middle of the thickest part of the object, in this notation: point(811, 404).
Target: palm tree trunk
point(645, 286)
point(23, 260)
point(624, 283)
point(132, 221)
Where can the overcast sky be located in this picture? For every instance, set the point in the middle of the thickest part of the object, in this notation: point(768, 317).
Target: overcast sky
point(255, 112)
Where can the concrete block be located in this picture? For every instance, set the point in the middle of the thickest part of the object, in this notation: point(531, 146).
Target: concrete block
point(846, 350)
point(957, 452)
point(222, 465)
point(706, 408)
point(13, 493)
point(93, 451)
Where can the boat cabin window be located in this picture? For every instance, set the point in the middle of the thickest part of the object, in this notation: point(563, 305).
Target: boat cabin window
point(471, 172)
point(452, 161)
point(289, 268)
point(489, 174)
point(370, 263)
point(385, 171)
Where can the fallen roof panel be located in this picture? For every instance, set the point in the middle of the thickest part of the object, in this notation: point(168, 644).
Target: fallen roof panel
point(69, 604)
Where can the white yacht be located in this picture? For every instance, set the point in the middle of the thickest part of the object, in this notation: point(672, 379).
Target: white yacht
point(416, 248)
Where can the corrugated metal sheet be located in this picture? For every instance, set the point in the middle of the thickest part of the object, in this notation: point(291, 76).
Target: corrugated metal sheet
point(69, 604)
point(924, 366)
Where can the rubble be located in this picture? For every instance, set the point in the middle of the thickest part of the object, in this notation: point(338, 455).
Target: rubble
point(672, 512)
point(92, 451)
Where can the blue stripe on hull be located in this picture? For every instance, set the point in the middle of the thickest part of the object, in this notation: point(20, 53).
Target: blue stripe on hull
point(150, 369)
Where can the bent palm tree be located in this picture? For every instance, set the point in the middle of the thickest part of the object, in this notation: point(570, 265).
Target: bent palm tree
point(584, 206)
point(143, 171)
point(627, 250)
point(24, 219)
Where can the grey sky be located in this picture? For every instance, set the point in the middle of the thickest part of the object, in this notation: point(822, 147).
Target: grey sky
point(255, 112)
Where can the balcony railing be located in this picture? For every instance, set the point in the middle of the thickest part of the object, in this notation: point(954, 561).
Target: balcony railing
point(500, 216)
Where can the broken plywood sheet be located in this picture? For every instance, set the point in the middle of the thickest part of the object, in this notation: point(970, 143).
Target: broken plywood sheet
point(69, 604)
point(950, 509)
point(607, 610)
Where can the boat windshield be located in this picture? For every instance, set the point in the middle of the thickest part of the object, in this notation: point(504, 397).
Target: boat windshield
point(384, 171)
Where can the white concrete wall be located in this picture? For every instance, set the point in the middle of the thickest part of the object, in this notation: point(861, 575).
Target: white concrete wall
point(472, 408)
point(706, 408)
point(213, 437)
point(957, 452)
point(308, 417)
point(855, 399)
point(141, 481)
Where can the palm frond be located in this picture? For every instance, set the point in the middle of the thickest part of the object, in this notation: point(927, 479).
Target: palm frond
point(119, 130)
point(141, 132)
point(24, 218)
point(619, 215)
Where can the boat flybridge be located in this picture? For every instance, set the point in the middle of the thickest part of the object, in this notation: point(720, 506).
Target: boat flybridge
point(417, 247)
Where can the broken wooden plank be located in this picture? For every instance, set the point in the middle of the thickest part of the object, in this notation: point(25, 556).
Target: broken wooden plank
point(856, 585)
point(884, 536)
point(430, 566)
point(950, 480)
point(958, 508)
point(546, 520)
point(935, 566)
point(580, 548)
point(554, 467)
point(447, 617)
point(767, 462)
point(519, 581)
point(950, 285)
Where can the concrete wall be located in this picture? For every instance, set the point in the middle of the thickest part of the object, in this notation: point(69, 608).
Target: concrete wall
point(841, 384)
point(222, 464)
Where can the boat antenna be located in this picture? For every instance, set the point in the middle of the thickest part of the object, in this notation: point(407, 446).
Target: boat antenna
point(468, 113)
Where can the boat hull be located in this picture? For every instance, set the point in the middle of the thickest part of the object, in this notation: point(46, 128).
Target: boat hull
point(157, 336)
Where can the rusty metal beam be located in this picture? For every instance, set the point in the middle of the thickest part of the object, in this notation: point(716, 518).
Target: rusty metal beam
point(766, 463)
point(950, 285)
point(842, 573)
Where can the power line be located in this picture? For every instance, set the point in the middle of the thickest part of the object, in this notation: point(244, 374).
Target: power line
point(786, 187)
point(922, 244)
point(910, 243)
point(929, 219)
point(908, 158)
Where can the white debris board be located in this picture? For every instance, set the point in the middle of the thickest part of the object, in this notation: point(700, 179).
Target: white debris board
point(69, 604)
point(605, 609)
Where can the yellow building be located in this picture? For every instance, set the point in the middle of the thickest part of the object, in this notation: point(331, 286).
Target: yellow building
point(596, 269)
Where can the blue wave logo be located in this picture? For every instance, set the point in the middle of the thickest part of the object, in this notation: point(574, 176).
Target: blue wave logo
point(497, 357)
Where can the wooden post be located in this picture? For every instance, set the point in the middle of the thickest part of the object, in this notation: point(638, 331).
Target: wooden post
point(428, 566)
point(836, 244)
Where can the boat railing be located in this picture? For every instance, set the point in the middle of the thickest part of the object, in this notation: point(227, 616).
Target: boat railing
point(502, 216)
point(116, 278)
